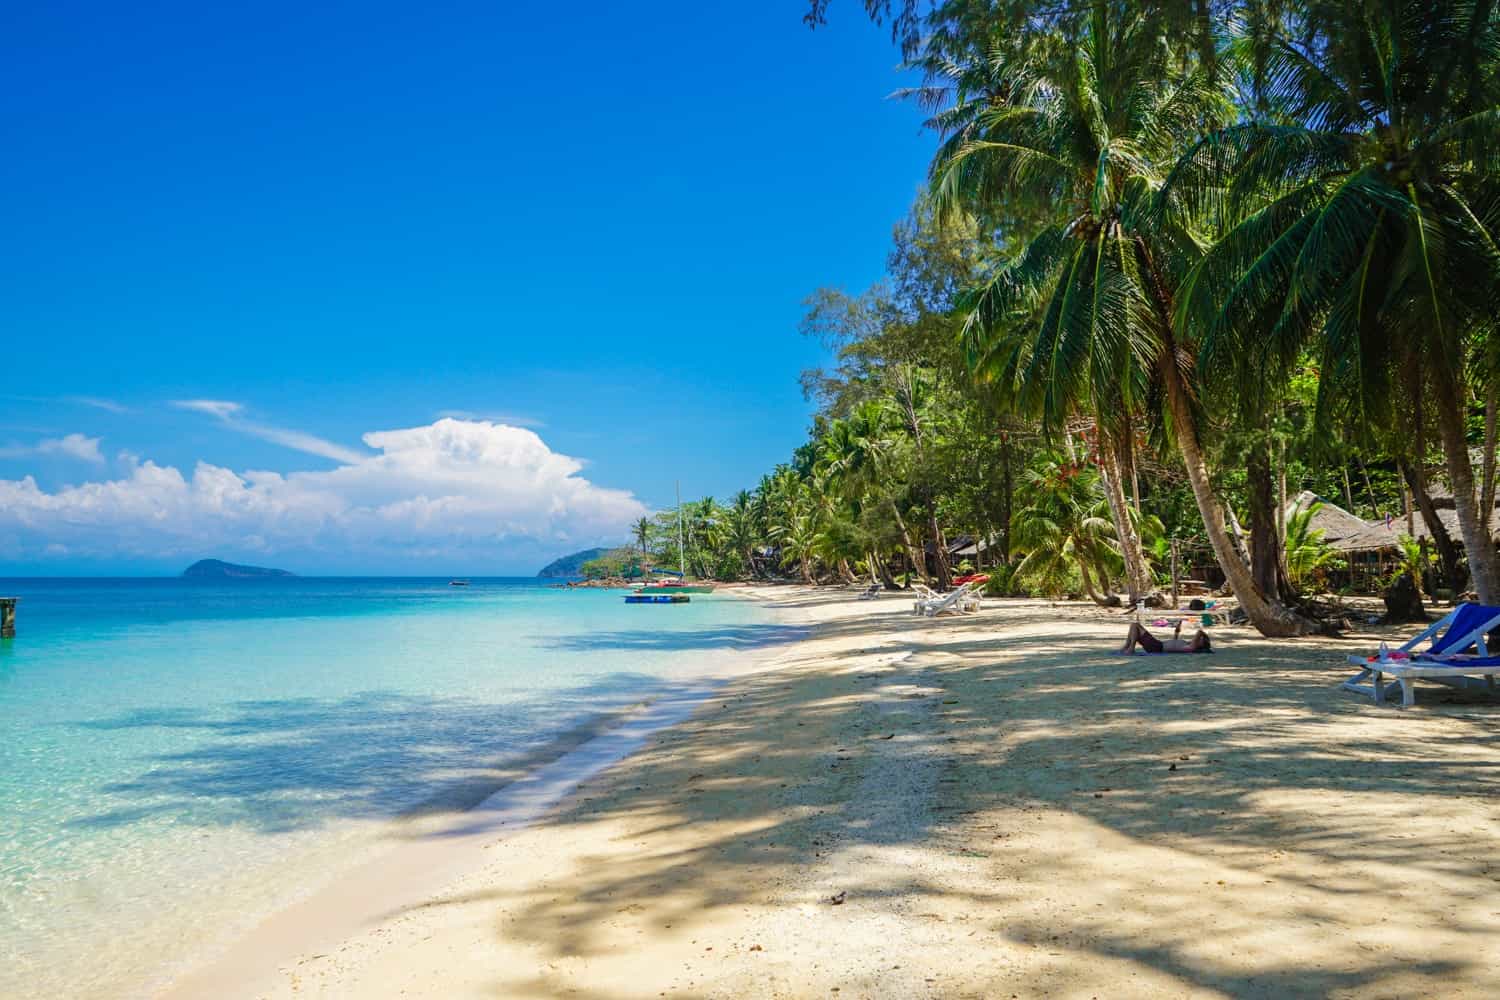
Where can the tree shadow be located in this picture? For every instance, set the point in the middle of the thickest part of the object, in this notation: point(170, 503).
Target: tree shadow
point(275, 765)
point(1246, 767)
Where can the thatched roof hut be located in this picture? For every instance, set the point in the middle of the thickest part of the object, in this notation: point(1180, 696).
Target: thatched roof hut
point(1380, 535)
point(1333, 521)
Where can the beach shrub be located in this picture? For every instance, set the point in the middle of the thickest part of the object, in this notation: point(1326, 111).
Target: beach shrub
point(1002, 582)
point(1308, 556)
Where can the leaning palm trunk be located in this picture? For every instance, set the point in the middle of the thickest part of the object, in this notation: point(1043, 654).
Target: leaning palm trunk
point(1268, 615)
point(939, 548)
point(914, 556)
point(1484, 561)
point(1491, 435)
point(1110, 601)
point(1137, 577)
point(1448, 555)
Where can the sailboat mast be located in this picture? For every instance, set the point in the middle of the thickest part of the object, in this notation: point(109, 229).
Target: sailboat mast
point(681, 552)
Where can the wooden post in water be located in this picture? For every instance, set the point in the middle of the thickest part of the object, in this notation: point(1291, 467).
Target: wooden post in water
point(8, 617)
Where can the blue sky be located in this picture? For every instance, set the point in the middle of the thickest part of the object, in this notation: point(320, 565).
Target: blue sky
point(347, 219)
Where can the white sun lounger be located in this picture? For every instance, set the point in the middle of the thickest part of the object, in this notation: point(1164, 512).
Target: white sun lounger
point(957, 601)
point(1446, 661)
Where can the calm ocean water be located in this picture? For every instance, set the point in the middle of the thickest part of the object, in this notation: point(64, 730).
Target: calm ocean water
point(178, 756)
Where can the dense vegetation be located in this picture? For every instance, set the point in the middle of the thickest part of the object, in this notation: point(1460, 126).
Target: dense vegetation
point(1175, 261)
point(570, 565)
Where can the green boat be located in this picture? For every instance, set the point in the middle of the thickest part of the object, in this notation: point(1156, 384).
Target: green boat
point(677, 588)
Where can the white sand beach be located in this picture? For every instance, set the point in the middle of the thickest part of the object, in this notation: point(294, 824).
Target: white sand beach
point(992, 805)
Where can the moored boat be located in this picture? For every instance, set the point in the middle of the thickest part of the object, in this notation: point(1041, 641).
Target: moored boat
point(657, 598)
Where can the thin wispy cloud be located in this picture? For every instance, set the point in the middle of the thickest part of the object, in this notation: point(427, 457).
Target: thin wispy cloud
point(98, 403)
point(229, 414)
point(509, 419)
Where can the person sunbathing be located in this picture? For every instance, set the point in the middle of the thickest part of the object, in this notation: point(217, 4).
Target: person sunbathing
point(1138, 636)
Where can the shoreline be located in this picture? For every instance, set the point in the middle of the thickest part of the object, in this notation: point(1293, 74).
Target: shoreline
point(992, 805)
point(444, 836)
point(405, 873)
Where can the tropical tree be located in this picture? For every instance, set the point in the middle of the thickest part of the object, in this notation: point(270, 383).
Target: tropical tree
point(1064, 531)
point(1307, 554)
point(1362, 206)
point(641, 532)
point(740, 535)
point(867, 453)
point(1080, 318)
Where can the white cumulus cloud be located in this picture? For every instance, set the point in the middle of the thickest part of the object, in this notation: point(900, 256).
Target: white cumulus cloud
point(71, 446)
point(467, 491)
point(74, 446)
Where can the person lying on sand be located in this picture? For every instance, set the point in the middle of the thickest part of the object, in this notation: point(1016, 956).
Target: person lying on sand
point(1138, 636)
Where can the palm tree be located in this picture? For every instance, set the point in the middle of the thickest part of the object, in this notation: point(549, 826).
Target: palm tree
point(1087, 137)
point(1307, 554)
point(865, 452)
point(1363, 214)
point(740, 535)
point(796, 528)
point(641, 530)
point(1080, 319)
point(1064, 526)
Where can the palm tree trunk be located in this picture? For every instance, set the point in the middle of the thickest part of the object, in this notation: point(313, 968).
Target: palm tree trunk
point(1267, 546)
point(1416, 481)
point(1137, 579)
point(939, 546)
point(1008, 485)
point(1479, 546)
point(1088, 584)
point(1491, 433)
point(914, 556)
point(1268, 615)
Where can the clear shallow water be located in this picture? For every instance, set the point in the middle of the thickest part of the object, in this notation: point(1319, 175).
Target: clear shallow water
point(176, 756)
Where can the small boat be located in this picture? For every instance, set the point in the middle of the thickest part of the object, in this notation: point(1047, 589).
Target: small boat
point(676, 588)
point(458, 583)
point(657, 598)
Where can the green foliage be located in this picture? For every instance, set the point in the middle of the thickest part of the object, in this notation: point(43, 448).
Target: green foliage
point(1166, 262)
point(1414, 562)
point(1063, 532)
point(625, 561)
point(1308, 556)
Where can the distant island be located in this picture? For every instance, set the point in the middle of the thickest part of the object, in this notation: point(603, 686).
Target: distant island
point(216, 569)
point(570, 565)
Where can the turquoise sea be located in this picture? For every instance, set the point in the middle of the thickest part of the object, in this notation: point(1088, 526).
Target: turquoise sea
point(179, 758)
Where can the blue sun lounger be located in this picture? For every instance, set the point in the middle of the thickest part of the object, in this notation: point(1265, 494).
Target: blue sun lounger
point(1458, 657)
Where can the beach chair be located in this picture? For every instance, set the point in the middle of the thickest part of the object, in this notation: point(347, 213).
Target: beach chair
point(959, 601)
point(870, 593)
point(1448, 660)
